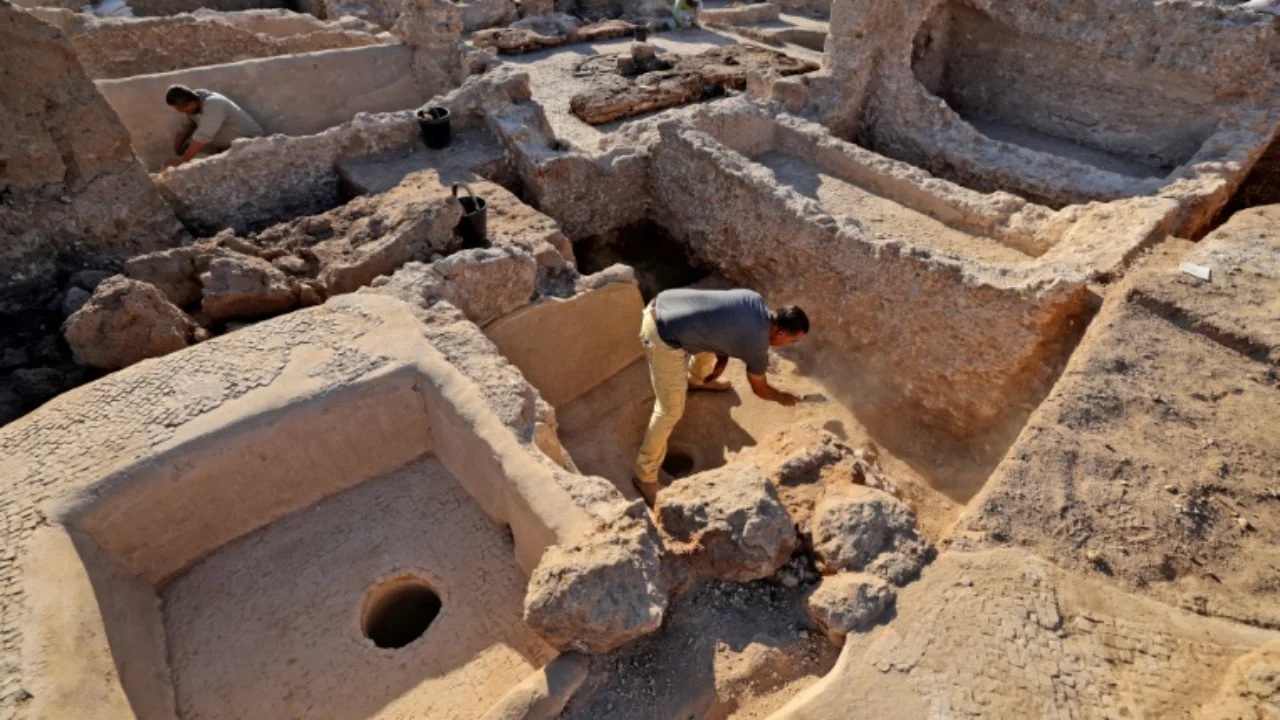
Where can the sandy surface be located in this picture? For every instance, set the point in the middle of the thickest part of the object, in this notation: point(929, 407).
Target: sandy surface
point(886, 219)
point(269, 626)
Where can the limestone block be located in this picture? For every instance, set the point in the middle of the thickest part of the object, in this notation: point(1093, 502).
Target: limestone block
point(240, 286)
point(123, 322)
point(487, 283)
point(848, 602)
point(729, 521)
point(602, 592)
point(174, 272)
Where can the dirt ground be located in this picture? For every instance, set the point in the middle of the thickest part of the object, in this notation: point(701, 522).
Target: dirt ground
point(725, 651)
point(1153, 461)
point(603, 429)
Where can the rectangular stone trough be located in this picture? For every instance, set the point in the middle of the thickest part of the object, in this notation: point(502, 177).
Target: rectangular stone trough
point(316, 516)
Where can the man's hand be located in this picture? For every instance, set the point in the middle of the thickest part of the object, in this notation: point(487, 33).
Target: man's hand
point(760, 386)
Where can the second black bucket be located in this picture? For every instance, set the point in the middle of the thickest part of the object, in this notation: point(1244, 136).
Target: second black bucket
point(433, 122)
point(642, 33)
point(475, 214)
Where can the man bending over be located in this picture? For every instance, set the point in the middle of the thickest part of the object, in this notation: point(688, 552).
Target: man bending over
point(213, 121)
point(688, 338)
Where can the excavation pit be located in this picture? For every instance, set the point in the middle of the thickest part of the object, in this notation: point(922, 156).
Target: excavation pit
point(280, 564)
point(1037, 93)
point(399, 611)
point(678, 464)
point(1054, 104)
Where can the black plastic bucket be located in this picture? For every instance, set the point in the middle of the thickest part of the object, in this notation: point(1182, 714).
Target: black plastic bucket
point(434, 124)
point(642, 33)
point(475, 214)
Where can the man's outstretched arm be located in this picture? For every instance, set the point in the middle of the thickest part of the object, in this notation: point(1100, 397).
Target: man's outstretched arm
point(760, 386)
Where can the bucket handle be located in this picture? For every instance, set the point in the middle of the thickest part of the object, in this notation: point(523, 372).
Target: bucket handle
point(467, 188)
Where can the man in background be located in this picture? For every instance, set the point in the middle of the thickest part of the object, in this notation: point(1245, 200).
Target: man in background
point(213, 122)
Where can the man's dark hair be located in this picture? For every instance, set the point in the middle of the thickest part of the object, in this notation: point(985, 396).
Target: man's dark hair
point(791, 320)
point(178, 95)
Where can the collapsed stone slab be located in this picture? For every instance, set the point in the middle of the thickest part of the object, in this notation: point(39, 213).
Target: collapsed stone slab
point(243, 286)
point(539, 32)
point(601, 592)
point(727, 522)
point(126, 321)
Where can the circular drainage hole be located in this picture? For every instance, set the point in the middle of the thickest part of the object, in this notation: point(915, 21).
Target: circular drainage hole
point(678, 464)
point(399, 611)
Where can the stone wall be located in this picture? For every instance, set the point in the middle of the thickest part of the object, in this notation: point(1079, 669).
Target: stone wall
point(89, 460)
point(1079, 101)
point(120, 48)
point(962, 346)
point(567, 347)
point(294, 95)
point(72, 190)
point(144, 8)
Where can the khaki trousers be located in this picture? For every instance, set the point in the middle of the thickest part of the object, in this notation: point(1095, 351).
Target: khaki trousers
point(671, 371)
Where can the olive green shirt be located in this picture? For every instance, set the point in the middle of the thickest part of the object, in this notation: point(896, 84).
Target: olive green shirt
point(220, 121)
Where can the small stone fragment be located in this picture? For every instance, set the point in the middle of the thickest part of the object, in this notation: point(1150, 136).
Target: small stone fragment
point(240, 286)
point(848, 602)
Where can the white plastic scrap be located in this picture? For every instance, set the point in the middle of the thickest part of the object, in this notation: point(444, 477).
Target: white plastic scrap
point(1194, 270)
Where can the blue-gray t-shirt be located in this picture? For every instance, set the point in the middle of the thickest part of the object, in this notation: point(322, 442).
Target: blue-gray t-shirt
point(724, 322)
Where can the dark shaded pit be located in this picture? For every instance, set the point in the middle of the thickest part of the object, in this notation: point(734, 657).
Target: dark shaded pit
point(399, 612)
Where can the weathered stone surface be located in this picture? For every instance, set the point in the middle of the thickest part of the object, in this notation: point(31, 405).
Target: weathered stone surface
point(1250, 687)
point(600, 593)
point(543, 31)
point(853, 526)
point(174, 272)
point(728, 521)
point(848, 602)
point(478, 14)
point(346, 248)
point(487, 283)
point(241, 286)
point(1006, 634)
point(73, 189)
point(689, 78)
point(126, 321)
point(1162, 420)
point(123, 47)
point(1239, 300)
point(433, 28)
